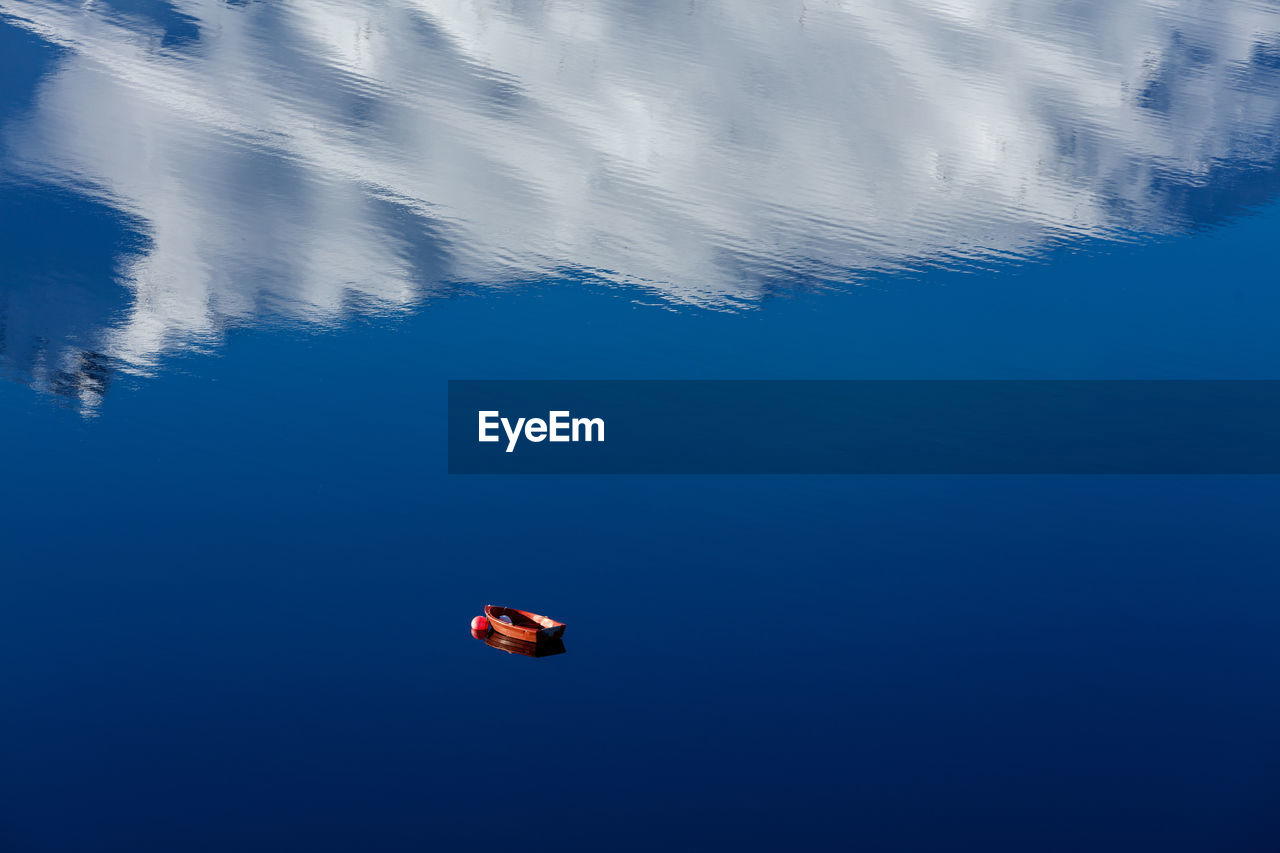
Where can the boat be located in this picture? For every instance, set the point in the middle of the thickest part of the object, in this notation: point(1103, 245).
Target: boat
point(518, 647)
point(522, 625)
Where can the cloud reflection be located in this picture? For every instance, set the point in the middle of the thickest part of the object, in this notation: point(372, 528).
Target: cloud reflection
point(289, 159)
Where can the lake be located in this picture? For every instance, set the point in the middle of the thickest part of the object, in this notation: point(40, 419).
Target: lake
point(246, 246)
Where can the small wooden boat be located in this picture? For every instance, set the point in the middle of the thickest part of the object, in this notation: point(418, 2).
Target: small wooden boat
point(518, 647)
point(522, 625)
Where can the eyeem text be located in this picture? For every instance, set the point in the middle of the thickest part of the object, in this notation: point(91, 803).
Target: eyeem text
point(558, 426)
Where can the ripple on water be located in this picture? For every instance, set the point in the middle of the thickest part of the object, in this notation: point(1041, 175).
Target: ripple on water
point(282, 161)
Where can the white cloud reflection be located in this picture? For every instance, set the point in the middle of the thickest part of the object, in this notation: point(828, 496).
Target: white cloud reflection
point(287, 158)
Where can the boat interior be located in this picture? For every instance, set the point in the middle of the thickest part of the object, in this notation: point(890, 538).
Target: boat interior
point(523, 620)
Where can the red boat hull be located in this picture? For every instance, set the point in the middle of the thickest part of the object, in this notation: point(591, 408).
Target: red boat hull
point(524, 626)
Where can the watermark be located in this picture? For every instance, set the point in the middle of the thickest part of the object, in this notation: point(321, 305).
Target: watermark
point(864, 427)
point(557, 427)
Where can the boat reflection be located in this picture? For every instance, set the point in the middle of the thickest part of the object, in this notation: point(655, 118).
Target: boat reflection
point(494, 640)
point(295, 161)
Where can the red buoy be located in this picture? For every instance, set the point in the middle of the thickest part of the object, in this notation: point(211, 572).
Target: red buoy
point(479, 626)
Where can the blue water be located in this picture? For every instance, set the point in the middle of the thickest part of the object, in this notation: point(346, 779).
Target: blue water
point(237, 579)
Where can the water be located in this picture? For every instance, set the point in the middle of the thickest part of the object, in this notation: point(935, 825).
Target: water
point(245, 245)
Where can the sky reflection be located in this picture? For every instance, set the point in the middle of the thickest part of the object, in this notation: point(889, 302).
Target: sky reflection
point(293, 159)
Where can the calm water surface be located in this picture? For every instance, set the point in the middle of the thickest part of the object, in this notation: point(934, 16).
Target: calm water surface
point(244, 245)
